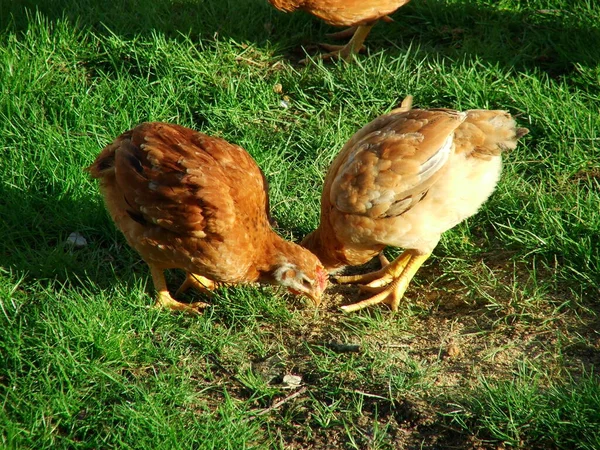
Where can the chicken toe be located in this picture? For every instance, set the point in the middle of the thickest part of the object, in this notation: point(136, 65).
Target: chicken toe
point(346, 52)
point(383, 260)
point(381, 277)
point(390, 282)
point(164, 299)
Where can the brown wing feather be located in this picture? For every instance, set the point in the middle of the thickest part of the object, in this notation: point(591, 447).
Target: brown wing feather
point(167, 181)
point(181, 180)
point(390, 164)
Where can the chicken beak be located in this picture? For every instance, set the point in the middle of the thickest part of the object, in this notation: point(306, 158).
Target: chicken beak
point(315, 297)
point(316, 292)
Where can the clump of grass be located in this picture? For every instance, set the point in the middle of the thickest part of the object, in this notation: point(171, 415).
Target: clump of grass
point(532, 410)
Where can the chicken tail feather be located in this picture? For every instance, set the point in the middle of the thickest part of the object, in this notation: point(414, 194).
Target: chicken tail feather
point(487, 133)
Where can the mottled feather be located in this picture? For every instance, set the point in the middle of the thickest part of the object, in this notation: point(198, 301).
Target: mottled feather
point(406, 177)
point(199, 203)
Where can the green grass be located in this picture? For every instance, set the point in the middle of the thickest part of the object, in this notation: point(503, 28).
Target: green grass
point(497, 341)
point(529, 408)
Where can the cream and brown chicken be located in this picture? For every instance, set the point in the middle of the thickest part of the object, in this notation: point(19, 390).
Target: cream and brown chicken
point(359, 15)
point(403, 180)
point(185, 200)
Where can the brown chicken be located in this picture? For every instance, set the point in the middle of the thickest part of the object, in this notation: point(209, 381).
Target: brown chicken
point(402, 180)
point(189, 201)
point(360, 15)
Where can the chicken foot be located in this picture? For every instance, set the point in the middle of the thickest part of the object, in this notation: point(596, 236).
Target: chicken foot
point(164, 299)
point(390, 282)
point(347, 51)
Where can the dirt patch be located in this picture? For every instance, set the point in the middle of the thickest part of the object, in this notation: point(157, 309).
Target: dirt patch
point(588, 177)
point(395, 377)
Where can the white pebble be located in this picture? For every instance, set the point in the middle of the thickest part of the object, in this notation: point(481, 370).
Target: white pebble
point(76, 240)
point(292, 380)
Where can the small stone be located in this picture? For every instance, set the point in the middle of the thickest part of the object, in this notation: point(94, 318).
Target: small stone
point(292, 380)
point(284, 104)
point(453, 351)
point(76, 240)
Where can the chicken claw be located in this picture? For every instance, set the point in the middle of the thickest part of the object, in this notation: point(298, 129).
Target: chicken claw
point(345, 52)
point(390, 282)
point(164, 299)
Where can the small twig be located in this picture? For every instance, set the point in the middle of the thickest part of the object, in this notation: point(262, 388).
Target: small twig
point(276, 405)
point(394, 345)
point(366, 394)
point(216, 362)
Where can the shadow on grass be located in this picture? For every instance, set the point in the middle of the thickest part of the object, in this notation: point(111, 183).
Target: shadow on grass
point(35, 228)
point(553, 41)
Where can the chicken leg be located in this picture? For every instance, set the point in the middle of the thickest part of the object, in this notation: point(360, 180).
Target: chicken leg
point(349, 32)
point(198, 282)
point(390, 282)
point(164, 299)
point(346, 52)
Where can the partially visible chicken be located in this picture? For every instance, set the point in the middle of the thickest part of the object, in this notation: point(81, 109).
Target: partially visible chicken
point(190, 201)
point(402, 180)
point(360, 15)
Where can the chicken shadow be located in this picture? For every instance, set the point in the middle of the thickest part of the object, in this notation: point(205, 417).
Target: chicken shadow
point(549, 40)
point(36, 227)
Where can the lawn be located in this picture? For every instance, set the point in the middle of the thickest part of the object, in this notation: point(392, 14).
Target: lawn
point(497, 341)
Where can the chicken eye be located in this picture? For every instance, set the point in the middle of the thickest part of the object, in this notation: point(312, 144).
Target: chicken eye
point(307, 283)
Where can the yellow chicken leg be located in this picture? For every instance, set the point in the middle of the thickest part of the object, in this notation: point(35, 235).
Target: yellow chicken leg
point(344, 34)
point(164, 299)
point(349, 32)
point(391, 281)
point(346, 52)
point(198, 282)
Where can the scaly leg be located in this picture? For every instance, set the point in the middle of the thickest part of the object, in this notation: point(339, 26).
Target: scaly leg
point(349, 32)
point(390, 282)
point(344, 34)
point(164, 299)
point(198, 282)
point(382, 276)
point(346, 52)
point(383, 260)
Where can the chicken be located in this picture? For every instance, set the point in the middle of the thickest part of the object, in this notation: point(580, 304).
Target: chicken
point(185, 200)
point(360, 15)
point(403, 180)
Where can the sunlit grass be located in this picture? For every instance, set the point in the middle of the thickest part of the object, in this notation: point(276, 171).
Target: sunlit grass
point(84, 361)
